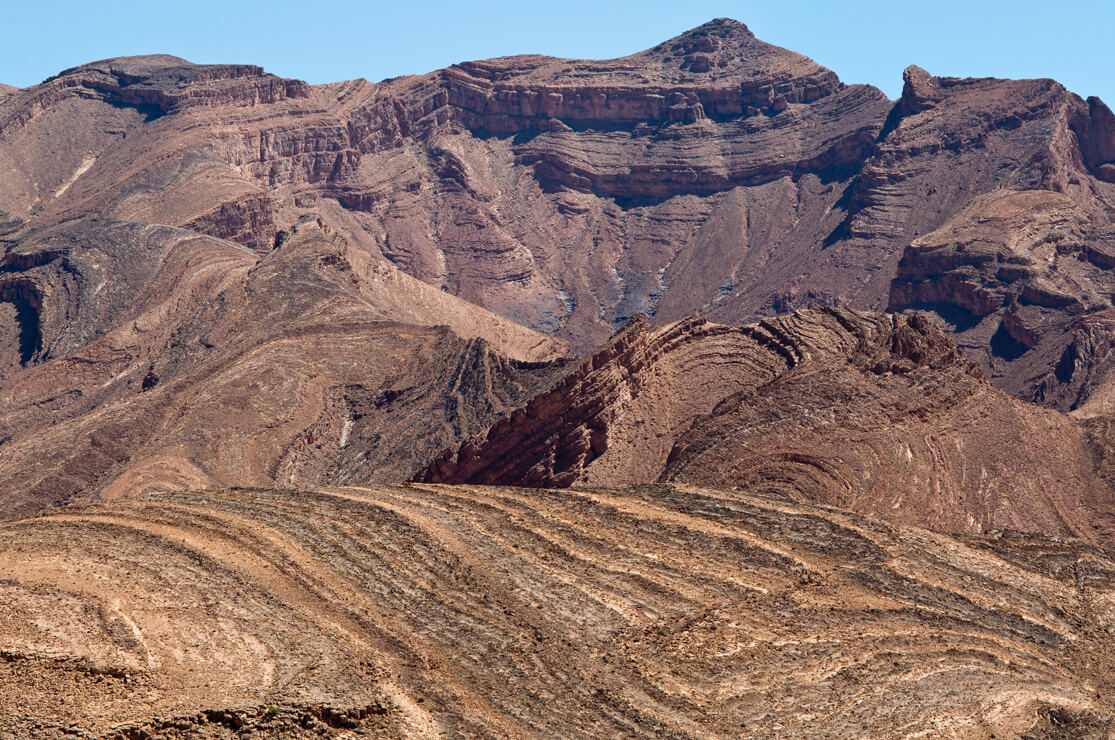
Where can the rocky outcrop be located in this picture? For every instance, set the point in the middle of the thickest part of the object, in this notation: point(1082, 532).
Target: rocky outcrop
point(1012, 275)
point(587, 420)
point(717, 71)
point(873, 413)
point(161, 84)
point(647, 165)
point(986, 134)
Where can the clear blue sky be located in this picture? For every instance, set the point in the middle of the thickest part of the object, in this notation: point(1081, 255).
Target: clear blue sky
point(322, 41)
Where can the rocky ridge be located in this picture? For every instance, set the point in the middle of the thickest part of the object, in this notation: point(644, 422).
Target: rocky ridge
point(871, 413)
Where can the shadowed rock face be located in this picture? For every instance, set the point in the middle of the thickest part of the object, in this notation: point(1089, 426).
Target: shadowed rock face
point(872, 413)
point(657, 611)
point(1024, 280)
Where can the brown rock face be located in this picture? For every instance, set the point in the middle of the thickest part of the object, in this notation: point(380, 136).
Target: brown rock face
point(871, 413)
point(225, 295)
point(711, 172)
point(156, 357)
point(558, 193)
point(1014, 276)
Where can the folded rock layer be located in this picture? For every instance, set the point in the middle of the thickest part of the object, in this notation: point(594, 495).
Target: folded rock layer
point(421, 611)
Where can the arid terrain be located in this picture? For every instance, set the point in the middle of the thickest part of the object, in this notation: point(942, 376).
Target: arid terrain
point(692, 394)
point(654, 611)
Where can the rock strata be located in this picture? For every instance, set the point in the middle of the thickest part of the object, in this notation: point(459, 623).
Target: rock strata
point(873, 413)
point(160, 358)
point(712, 172)
point(645, 612)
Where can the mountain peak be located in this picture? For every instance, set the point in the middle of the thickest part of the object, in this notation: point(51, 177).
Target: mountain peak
point(727, 46)
point(721, 27)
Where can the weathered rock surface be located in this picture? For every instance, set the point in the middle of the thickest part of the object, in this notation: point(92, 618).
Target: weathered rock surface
point(646, 612)
point(1024, 280)
point(156, 357)
point(212, 278)
point(872, 413)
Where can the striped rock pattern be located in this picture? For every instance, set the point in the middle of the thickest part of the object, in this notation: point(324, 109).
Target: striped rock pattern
point(654, 611)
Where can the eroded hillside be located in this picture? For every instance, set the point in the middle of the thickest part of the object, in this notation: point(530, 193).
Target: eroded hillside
point(169, 359)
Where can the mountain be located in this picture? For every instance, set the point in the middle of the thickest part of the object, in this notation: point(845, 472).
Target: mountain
point(391, 611)
point(713, 172)
point(736, 401)
point(511, 183)
point(187, 243)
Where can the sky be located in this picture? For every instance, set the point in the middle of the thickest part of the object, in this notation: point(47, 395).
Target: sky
point(322, 41)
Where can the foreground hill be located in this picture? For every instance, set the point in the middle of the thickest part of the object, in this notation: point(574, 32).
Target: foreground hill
point(414, 611)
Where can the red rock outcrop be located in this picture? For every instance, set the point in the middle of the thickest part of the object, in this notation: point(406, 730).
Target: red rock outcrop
point(1013, 276)
point(872, 413)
